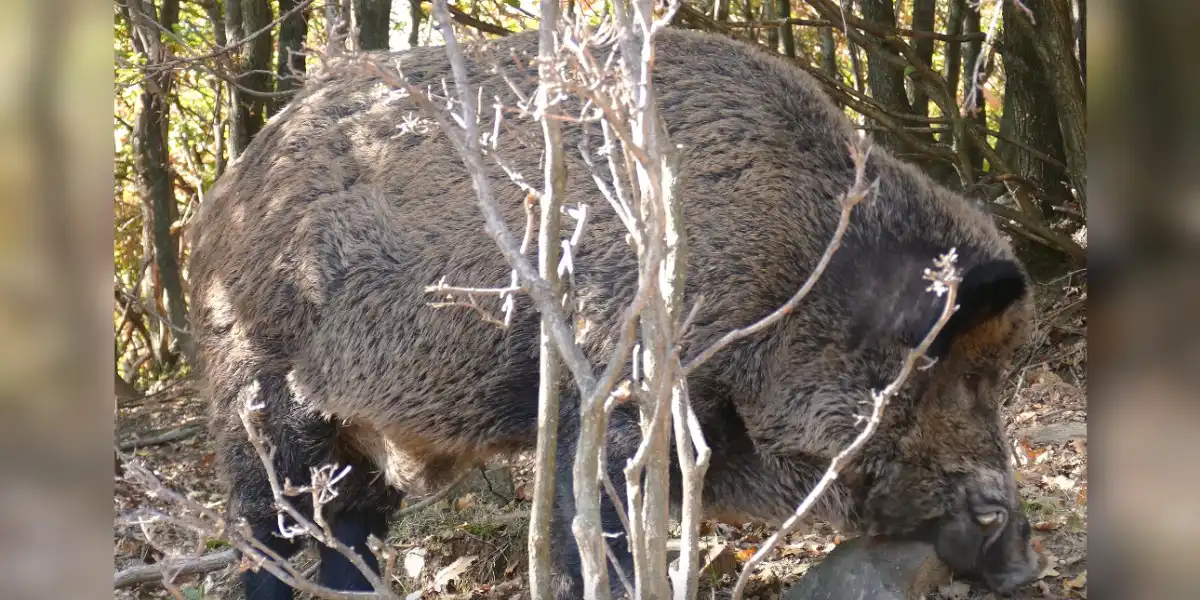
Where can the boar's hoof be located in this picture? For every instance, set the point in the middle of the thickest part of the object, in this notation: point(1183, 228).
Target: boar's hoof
point(873, 569)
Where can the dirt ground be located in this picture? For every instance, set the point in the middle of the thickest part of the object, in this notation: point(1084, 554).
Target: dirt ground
point(472, 544)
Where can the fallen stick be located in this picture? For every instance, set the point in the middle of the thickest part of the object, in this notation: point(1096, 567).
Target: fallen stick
point(187, 566)
point(1055, 433)
point(173, 435)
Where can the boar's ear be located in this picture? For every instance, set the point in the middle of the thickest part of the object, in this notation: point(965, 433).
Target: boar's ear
point(986, 291)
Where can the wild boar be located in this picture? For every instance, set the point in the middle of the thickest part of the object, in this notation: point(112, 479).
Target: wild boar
point(311, 255)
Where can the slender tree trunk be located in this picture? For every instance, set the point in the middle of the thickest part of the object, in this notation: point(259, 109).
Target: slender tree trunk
point(374, 20)
point(414, 13)
point(238, 138)
point(549, 361)
point(952, 66)
point(923, 13)
point(721, 11)
point(768, 14)
point(829, 52)
point(785, 33)
point(847, 7)
point(953, 55)
point(1081, 38)
point(152, 159)
point(289, 65)
point(216, 17)
point(973, 24)
point(350, 24)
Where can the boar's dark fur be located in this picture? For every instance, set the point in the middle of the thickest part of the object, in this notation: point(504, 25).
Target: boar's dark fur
point(311, 255)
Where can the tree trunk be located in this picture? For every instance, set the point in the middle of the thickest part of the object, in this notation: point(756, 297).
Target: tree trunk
point(152, 159)
point(953, 56)
point(1081, 38)
point(923, 12)
point(374, 20)
point(123, 389)
point(1053, 41)
point(238, 138)
point(349, 24)
point(256, 72)
point(1029, 114)
point(414, 13)
point(785, 33)
point(953, 62)
point(289, 66)
point(829, 53)
point(768, 14)
point(884, 79)
point(973, 24)
point(212, 8)
point(721, 11)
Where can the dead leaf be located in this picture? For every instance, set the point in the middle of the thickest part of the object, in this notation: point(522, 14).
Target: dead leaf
point(451, 573)
point(466, 502)
point(1046, 525)
point(523, 493)
point(1079, 582)
point(955, 590)
point(415, 595)
point(1048, 569)
point(1065, 484)
point(1081, 497)
point(719, 560)
point(1031, 453)
point(744, 554)
point(414, 562)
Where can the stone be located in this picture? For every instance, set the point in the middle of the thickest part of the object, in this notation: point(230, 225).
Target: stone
point(873, 569)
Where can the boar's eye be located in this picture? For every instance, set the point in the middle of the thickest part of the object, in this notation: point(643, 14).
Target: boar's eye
point(973, 380)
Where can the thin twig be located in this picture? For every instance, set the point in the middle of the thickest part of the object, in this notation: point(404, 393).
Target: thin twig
point(428, 501)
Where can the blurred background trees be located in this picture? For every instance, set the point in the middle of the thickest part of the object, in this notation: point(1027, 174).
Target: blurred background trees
point(988, 96)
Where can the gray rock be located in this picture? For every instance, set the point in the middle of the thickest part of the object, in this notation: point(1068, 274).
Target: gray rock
point(873, 569)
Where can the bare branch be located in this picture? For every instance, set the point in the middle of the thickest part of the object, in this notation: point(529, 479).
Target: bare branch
point(467, 144)
point(549, 363)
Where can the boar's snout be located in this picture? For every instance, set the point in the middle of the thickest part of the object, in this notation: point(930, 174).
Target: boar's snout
point(990, 540)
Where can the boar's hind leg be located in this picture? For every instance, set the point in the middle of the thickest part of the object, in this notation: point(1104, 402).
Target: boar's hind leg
point(303, 442)
point(352, 530)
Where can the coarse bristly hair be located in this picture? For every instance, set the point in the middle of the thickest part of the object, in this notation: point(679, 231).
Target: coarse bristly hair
point(311, 255)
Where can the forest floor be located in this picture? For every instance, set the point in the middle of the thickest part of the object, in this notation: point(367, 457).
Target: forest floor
point(471, 545)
